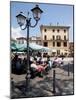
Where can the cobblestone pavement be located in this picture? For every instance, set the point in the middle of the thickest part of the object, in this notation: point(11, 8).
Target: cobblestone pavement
point(43, 87)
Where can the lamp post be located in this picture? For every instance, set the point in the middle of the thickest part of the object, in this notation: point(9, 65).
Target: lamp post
point(25, 23)
point(54, 79)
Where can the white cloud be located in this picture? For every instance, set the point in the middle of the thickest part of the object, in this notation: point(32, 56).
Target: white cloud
point(16, 32)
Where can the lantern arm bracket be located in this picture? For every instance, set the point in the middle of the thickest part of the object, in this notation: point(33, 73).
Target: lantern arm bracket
point(34, 24)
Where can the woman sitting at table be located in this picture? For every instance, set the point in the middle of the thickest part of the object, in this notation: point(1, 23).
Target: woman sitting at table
point(37, 68)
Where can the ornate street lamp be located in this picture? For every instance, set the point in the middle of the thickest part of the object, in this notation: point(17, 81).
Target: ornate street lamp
point(25, 22)
point(36, 12)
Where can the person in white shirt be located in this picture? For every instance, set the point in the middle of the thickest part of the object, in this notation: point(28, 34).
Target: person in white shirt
point(58, 61)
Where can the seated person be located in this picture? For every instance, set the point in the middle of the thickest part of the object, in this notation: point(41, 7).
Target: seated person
point(58, 61)
point(47, 65)
point(40, 70)
point(40, 67)
point(50, 64)
point(33, 65)
point(37, 68)
point(39, 60)
point(33, 69)
point(18, 66)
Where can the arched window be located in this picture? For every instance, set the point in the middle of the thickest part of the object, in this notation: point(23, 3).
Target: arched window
point(45, 37)
point(58, 44)
point(45, 30)
point(53, 37)
point(53, 30)
point(64, 37)
point(58, 30)
point(64, 31)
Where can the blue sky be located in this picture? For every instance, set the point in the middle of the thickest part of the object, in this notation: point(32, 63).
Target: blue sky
point(63, 14)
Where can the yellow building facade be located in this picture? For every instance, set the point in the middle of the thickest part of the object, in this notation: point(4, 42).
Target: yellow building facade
point(56, 38)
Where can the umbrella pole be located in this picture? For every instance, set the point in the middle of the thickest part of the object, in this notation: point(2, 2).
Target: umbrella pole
point(42, 55)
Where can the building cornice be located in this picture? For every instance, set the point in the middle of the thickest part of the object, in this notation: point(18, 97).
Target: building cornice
point(54, 26)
